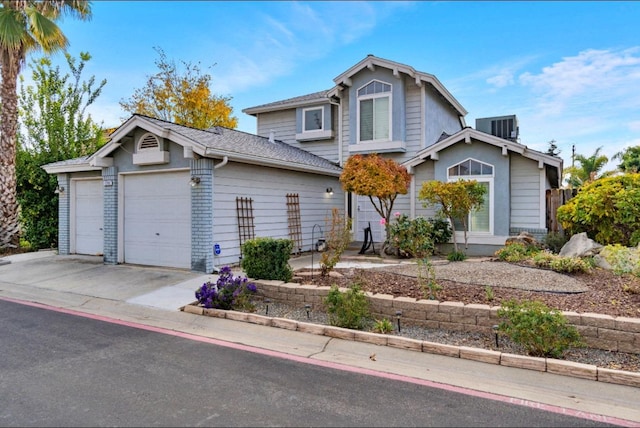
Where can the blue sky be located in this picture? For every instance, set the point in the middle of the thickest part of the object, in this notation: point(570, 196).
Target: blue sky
point(570, 71)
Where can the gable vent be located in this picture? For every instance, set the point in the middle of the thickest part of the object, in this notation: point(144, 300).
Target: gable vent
point(148, 141)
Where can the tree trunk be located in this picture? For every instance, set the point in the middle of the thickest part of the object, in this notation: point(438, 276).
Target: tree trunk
point(9, 223)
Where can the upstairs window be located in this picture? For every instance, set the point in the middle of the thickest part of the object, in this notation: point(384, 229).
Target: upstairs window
point(374, 112)
point(312, 119)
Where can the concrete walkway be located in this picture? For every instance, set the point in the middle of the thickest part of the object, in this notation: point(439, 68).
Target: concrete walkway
point(150, 298)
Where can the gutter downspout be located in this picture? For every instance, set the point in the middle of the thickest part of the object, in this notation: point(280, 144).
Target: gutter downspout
point(222, 163)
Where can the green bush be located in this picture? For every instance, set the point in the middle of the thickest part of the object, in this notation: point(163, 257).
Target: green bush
point(569, 265)
point(456, 256)
point(622, 259)
point(554, 241)
point(543, 332)
point(383, 326)
point(608, 210)
point(267, 258)
point(515, 252)
point(417, 237)
point(349, 309)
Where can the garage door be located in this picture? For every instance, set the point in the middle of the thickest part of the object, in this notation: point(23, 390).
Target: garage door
point(157, 219)
point(88, 217)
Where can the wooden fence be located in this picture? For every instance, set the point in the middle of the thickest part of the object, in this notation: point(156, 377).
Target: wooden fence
point(555, 199)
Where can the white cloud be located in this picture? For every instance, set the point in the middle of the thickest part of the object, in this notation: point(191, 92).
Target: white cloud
point(592, 76)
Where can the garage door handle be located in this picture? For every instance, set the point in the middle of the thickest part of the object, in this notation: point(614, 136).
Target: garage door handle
point(100, 228)
point(157, 234)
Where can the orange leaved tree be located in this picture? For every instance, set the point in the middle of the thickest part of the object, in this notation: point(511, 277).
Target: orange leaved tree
point(381, 179)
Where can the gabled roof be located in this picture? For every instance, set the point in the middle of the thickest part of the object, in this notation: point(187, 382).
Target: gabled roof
point(372, 62)
point(319, 97)
point(344, 80)
point(216, 143)
point(552, 164)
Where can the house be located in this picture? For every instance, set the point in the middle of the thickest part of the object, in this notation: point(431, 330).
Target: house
point(167, 195)
point(163, 194)
point(381, 106)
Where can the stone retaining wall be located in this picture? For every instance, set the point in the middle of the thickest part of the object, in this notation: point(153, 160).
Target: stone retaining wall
point(620, 334)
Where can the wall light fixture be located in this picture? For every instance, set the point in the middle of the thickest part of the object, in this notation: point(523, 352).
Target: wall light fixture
point(194, 181)
point(59, 189)
point(330, 190)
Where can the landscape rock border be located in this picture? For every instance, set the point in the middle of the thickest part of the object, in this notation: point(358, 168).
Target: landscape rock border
point(550, 365)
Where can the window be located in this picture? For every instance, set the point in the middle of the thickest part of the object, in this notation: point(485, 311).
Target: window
point(374, 112)
point(470, 169)
point(312, 119)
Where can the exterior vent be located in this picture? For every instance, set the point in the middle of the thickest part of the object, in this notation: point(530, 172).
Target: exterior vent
point(148, 141)
point(501, 126)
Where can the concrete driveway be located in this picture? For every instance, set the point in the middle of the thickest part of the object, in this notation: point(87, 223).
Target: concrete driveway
point(158, 287)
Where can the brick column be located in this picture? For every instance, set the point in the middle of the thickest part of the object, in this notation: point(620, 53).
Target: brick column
point(202, 216)
point(110, 195)
point(64, 213)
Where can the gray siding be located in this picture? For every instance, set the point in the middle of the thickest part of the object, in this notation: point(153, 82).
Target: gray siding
point(439, 117)
point(525, 193)
point(422, 173)
point(268, 187)
point(284, 125)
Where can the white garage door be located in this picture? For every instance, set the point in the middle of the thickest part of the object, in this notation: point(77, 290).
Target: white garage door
point(89, 217)
point(157, 219)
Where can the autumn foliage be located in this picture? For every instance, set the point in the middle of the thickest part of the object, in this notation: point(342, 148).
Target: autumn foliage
point(381, 179)
point(183, 98)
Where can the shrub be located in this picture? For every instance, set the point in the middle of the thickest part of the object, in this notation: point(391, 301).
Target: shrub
point(228, 292)
point(349, 309)
point(338, 239)
point(607, 209)
point(569, 264)
point(456, 256)
point(622, 259)
point(543, 259)
point(383, 326)
point(554, 241)
point(417, 237)
point(427, 278)
point(543, 332)
point(515, 252)
point(267, 258)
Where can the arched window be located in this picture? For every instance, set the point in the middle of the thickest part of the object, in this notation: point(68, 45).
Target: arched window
point(470, 169)
point(374, 112)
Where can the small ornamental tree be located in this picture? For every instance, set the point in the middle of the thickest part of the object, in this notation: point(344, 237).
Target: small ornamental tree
point(381, 179)
point(607, 209)
point(456, 200)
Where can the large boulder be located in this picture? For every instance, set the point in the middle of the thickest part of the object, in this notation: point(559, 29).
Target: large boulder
point(525, 238)
point(580, 245)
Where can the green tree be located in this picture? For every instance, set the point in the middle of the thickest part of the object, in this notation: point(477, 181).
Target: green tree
point(588, 170)
point(25, 26)
point(456, 200)
point(181, 97)
point(54, 127)
point(381, 179)
point(553, 149)
point(607, 209)
point(629, 159)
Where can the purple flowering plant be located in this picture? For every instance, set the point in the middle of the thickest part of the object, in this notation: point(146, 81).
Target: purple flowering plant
point(228, 292)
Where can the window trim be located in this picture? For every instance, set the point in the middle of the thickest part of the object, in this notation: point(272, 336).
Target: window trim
point(481, 178)
point(376, 95)
point(304, 119)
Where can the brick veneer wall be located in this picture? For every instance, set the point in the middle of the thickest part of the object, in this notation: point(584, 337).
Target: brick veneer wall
point(619, 334)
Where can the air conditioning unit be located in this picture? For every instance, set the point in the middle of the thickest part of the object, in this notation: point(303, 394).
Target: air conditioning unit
point(500, 126)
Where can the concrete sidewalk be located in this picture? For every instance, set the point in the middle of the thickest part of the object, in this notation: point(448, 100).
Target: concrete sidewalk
point(151, 298)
